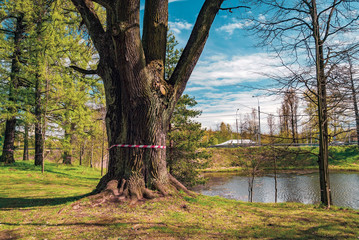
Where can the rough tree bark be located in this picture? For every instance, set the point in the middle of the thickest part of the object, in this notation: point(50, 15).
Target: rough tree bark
point(139, 100)
point(8, 149)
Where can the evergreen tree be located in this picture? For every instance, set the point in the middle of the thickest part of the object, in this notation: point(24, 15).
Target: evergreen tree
point(185, 136)
point(13, 27)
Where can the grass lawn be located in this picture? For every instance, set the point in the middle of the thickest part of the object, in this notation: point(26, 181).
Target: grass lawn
point(37, 206)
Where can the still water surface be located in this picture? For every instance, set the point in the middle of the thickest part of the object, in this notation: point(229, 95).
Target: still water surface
point(302, 188)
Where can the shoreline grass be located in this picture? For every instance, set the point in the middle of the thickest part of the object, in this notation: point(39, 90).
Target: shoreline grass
point(341, 158)
point(332, 168)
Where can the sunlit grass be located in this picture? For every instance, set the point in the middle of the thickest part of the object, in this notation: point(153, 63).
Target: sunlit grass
point(40, 206)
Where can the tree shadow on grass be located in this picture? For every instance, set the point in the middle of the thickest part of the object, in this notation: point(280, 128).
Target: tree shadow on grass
point(11, 203)
point(70, 175)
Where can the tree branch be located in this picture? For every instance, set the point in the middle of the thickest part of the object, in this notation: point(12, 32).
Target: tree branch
point(6, 31)
point(7, 17)
point(83, 71)
point(104, 3)
point(92, 21)
point(155, 31)
point(195, 46)
point(231, 8)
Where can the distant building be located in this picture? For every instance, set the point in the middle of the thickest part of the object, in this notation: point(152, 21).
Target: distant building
point(235, 142)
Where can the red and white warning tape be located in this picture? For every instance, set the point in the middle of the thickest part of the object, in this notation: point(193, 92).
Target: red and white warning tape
point(135, 146)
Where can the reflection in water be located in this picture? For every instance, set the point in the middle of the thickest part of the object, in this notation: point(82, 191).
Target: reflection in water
point(291, 188)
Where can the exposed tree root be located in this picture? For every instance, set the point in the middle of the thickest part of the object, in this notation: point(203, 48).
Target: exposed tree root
point(134, 190)
point(180, 186)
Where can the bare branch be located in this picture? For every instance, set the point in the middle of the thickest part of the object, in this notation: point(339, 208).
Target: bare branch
point(6, 31)
point(83, 71)
point(7, 17)
point(231, 8)
point(195, 45)
point(104, 3)
point(92, 21)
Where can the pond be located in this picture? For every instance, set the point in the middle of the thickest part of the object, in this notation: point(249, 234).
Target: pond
point(303, 188)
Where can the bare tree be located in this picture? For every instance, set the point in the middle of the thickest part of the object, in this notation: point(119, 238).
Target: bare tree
point(289, 115)
point(307, 30)
point(353, 89)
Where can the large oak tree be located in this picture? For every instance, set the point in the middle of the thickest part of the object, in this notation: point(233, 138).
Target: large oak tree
point(139, 100)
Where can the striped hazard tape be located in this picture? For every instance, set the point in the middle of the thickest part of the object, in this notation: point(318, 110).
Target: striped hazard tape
point(136, 146)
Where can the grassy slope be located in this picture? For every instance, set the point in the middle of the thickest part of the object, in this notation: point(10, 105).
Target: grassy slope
point(340, 157)
point(30, 203)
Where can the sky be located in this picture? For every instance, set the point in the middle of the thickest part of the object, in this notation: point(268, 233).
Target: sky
point(230, 71)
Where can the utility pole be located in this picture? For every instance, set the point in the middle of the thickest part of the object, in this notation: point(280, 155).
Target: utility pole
point(237, 126)
point(259, 122)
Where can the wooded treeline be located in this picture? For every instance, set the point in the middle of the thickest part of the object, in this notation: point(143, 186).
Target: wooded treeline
point(45, 104)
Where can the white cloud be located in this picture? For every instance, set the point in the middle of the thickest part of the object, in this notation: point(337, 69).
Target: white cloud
point(236, 24)
point(223, 108)
point(179, 25)
point(216, 84)
point(219, 71)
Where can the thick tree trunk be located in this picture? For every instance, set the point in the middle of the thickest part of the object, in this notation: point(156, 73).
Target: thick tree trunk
point(26, 142)
point(140, 124)
point(8, 149)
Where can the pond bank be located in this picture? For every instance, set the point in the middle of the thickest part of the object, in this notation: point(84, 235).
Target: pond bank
point(341, 158)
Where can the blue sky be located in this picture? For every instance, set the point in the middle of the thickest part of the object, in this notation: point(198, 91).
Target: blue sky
point(230, 69)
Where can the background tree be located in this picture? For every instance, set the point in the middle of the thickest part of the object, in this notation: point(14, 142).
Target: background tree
point(309, 27)
point(185, 135)
point(13, 28)
point(224, 132)
point(289, 115)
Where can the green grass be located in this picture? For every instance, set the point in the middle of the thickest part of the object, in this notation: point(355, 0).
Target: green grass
point(24, 185)
point(40, 206)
